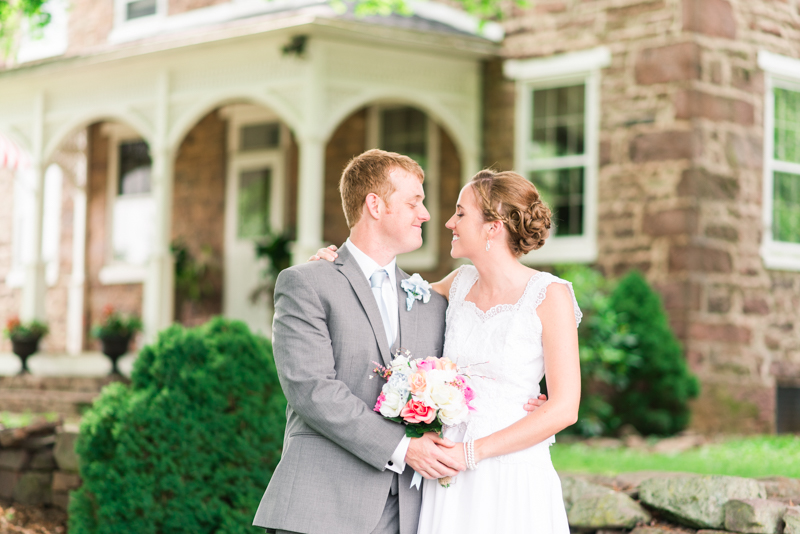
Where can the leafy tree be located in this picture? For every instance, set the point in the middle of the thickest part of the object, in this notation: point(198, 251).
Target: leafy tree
point(661, 385)
point(12, 15)
point(190, 444)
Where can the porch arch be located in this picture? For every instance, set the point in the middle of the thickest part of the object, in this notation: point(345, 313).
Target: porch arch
point(102, 115)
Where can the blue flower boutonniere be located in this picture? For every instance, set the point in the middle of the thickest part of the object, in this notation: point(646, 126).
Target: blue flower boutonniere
point(416, 289)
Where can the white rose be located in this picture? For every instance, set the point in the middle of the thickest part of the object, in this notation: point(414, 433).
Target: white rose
point(445, 395)
point(392, 403)
point(453, 414)
point(400, 364)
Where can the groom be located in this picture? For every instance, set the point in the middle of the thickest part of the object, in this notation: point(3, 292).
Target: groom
point(344, 467)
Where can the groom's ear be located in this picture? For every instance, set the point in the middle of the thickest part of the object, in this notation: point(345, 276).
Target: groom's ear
point(373, 206)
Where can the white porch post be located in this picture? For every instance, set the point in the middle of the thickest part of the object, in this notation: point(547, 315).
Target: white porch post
point(310, 198)
point(158, 297)
point(33, 290)
point(75, 303)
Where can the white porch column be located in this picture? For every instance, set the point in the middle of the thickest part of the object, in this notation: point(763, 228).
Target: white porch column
point(159, 285)
point(75, 300)
point(34, 288)
point(310, 198)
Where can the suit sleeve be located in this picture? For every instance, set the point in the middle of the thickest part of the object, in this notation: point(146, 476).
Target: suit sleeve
point(305, 362)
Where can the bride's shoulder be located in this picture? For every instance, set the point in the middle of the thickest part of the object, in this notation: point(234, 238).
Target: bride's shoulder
point(555, 295)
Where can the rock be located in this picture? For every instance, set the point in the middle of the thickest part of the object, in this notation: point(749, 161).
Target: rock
point(60, 499)
point(8, 481)
point(64, 451)
point(713, 532)
point(628, 430)
point(43, 460)
point(656, 530)
point(782, 488)
point(610, 510)
point(64, 481)
point(604, 443)
point(677, 444)
point(635, 442)
point(33, 488)
point(698, 500)
point(11, 437)
point(629, 482)
point(754, 516)
point(792, 520)
point(574, 488)
point(14, 459)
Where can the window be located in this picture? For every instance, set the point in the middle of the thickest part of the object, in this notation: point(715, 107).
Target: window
point(780, 248)
point(409, 131)
point(22, 251)
point(788, 409)
point(130, 206)
point(134, 19)
point(557, 110)
point(140, 8)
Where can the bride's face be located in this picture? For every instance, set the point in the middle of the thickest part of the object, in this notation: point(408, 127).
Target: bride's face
point(468, 226)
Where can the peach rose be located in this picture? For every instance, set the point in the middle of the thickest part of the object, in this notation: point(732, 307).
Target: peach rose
point(417, 383)
point(444, 364)
point(417, 412)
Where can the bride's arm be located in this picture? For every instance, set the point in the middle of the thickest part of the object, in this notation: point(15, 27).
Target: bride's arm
point(562, 369)
point(443, 286)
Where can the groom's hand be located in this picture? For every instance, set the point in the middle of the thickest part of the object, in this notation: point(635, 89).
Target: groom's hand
point(427, 458)
point(533, 404)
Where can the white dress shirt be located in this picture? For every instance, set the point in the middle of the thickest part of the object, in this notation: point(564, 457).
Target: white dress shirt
point(368, 266)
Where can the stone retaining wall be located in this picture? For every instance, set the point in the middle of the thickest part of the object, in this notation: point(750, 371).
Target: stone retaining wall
point(38, 464)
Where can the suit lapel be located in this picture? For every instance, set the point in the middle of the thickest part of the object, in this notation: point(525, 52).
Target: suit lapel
point(349, 268)
point(407, 331)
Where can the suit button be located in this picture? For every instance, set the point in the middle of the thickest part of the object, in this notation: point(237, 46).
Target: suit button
point(391, 464)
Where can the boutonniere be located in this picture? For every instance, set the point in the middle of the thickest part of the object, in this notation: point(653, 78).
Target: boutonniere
point(416, 289)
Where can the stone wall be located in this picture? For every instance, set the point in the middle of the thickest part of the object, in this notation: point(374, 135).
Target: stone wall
point(680, 175)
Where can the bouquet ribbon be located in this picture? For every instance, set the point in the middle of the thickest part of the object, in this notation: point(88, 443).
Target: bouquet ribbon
point(416, 481)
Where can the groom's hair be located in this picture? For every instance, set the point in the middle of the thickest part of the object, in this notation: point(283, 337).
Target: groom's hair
point(369, 173)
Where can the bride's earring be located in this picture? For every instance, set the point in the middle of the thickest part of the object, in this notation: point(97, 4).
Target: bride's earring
point(488, 244)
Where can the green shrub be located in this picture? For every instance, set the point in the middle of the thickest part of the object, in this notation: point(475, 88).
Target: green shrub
point(190, 445)
point(661, 385)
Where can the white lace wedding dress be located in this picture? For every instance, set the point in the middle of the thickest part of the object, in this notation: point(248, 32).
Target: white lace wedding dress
point(515, 493)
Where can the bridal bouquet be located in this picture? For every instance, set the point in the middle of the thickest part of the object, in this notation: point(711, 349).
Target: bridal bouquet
point(424, 395)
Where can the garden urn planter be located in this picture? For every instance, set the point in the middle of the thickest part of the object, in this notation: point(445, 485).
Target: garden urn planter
point(24, 347)
point(114, 347)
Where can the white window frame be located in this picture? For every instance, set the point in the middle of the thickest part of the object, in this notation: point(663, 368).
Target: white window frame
point(51, 225)
point(562, 71)
point(780, 72)
point(114, 271)
point(426, 257)
point(125, 29)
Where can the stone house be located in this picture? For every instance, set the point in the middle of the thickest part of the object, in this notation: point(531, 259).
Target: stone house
point(664, 133)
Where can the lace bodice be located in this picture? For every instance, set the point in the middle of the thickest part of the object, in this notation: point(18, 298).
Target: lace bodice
point(502, 351)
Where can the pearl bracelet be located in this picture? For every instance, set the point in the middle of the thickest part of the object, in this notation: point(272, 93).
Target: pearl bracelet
point(469, 454)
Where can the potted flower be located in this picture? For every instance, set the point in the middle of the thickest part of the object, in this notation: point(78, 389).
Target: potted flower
point(115, 332)
point(24, 338)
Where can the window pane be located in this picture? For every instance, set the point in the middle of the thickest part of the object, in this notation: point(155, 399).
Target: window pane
point(405, 131)
point(133, 229)
point(786, 207)
point(562, 190)
point(788, 410)
point(787, 125)
point(140, 8)
point(134, 168)
point(254, 188)
point(260, 136)
point(558, 119)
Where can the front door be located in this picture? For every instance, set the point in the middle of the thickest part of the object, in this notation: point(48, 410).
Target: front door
point(253, 209)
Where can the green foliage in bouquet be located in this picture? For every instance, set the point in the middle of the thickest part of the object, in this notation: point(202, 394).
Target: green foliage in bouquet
point(190, 444)
point(114, 323)
point(660, 387)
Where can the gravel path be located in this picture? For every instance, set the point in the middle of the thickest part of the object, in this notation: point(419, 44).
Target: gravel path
point(22, 519)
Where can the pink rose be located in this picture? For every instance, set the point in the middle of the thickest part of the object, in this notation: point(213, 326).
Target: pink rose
point(417, 412)
point(469, 394)
point(428, 364)
point(381, 398)
point(417, 383)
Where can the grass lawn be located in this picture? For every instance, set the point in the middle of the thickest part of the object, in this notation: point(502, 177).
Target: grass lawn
point(757, 456)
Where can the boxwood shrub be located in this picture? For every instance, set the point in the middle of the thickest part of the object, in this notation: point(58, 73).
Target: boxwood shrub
point(190, 444)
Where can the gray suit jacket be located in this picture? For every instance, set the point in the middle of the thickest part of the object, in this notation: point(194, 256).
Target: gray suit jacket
point(327, 332)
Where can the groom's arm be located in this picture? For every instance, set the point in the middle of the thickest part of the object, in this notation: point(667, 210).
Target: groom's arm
point(304, 358)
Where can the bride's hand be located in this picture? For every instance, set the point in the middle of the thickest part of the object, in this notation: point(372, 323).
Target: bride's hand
point(456, 453)
point(328, 253)
point(533, 404)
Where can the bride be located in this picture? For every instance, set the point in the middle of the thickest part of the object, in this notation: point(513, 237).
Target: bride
point(511, 325)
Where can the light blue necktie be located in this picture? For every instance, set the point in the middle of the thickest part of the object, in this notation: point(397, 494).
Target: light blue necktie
point(376, 283)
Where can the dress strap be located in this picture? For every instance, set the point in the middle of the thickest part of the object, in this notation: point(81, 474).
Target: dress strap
point(462, 283)
point(539, 293)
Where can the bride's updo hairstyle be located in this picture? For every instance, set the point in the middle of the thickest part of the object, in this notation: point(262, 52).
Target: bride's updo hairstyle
point(510, 198)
